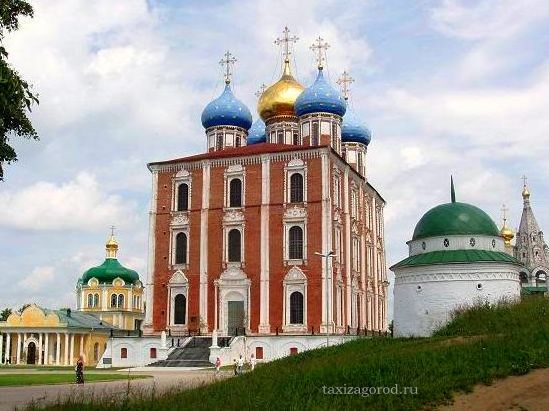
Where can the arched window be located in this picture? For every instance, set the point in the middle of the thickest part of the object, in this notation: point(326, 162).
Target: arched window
point(315, 134)
point(152, 352)
point(180, 309)
point(235, 243)
point(235, 193)
point(237, 141)
point(296, 139)
point(120, 300)
point(296, 243)
point(296, 308)
point(181, 248)
point(219, 142)
point(96, 352)
point(123, 353)
point(90, 300)
point(96, 300)
point(541, 278)
point(183, 197)
point(280, 137)
point(334, 131)
point(523, 278)
point(113, 300)
point(296, 188)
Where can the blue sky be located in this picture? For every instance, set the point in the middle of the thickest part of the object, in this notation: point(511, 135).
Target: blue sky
point(457, 87)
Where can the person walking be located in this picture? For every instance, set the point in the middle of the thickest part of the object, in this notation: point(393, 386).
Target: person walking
point(235, 365)
point(240, 364)
point(79, 370)
point(217, 366)
point(252, 362)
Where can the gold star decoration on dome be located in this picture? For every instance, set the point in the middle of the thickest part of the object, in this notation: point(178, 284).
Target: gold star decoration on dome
point(227, 63)
point(319, 47)
point(285, 43)
point(344, 81)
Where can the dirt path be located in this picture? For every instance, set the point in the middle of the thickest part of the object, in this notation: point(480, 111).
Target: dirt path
point(526, 392)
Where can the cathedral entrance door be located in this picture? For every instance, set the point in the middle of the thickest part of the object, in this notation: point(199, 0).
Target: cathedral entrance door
point(31, 353)
point(235, 321)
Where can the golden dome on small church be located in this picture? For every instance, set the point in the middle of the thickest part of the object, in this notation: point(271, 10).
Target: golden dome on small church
point(507, 234)
point(279, 99)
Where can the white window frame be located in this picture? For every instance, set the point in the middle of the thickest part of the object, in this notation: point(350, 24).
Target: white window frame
point(295, 165)
point(174, 233)
point(294, 280)
point(287, 225)
point(181, 177)
point(178, 284)
point(226, 229)
point(232, 172)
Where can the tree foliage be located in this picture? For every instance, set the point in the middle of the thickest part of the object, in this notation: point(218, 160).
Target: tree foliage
point(16, 97)
point(5, 313)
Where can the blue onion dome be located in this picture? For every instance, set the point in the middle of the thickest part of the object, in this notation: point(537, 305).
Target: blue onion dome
point(227, 110)
point(321, 97)
point(353, 130)
point(256, 134)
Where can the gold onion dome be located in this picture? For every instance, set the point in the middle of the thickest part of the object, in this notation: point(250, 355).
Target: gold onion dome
point(111, 247)
point(507, 234)
point(525, 192)
point(279, 99)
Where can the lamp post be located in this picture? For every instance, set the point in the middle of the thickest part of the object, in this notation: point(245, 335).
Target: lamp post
point(326, 256)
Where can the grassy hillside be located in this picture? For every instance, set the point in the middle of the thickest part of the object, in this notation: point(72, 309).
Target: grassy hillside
point(479, 345)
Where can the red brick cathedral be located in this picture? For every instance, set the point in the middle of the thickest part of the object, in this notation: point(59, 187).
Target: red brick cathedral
point(236, 232)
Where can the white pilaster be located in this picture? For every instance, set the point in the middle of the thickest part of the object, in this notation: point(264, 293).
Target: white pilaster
point(47, 349)
point(66, 356)
point(327, 280)
point(1, 348)
point(7, 356)
point(203, 306)
point(264, 326)
point(149, 290)
point(348, 250)
point(375, 304)
point(18, 351)
point(82, 352)
point(39, 348)
point(71, 355)
point(58, 349)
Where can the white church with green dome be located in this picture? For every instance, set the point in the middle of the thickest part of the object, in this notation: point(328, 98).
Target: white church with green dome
point(457, 258)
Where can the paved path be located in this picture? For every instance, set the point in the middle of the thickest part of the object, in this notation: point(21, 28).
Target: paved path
point(161, 380)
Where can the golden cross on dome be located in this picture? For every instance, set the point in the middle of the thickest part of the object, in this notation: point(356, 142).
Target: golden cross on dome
point(227, 62)
point(261, 90)
point(525, 180)
point(344, 81)
point(504, 210)
point(285, 42)
point(319, 47)
point(112, 230)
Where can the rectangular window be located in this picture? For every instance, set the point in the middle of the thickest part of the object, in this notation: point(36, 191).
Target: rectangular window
point(258, 353)
point(219, 142)
point(315, 135)
point(296, 139)
point(280, 137)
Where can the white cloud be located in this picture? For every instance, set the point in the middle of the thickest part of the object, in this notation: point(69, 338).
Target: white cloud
point(80, 204)
point(39, 279)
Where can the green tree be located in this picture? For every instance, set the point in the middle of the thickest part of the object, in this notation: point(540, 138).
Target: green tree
point(20, 311)
point(16, 97)
point(4, 314)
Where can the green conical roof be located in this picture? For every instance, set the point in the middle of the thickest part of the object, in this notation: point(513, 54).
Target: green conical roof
point(455, 219)
point(108, 271)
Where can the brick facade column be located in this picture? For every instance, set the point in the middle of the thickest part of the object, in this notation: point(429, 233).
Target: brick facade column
point(264, 326)
point(203, 292)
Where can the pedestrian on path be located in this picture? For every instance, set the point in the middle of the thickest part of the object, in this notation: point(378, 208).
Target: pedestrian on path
point(252, 362)
point(79, 370)
point(235, 365)
point(217, 366)
point(240, 364)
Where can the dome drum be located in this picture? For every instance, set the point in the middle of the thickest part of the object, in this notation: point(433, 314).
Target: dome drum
point(220, 137)
point(473, 242)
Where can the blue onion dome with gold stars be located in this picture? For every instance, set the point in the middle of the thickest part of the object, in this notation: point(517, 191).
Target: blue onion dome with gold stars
point(320, 97)
point(353, 130)
point(256, 134)
point(226, 110)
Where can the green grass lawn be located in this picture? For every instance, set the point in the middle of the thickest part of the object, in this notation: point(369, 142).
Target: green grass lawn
point(10, 380)
point(478, 346)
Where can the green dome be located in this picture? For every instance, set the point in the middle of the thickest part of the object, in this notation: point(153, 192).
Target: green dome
point(455, 219)
point(109, 271)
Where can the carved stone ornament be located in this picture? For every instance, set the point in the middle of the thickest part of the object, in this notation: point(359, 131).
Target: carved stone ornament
point(233, 216)
point(295, 212)
point(180, 219)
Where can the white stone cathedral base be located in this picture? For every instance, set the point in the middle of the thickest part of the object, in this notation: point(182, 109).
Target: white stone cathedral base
point(272, 347)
